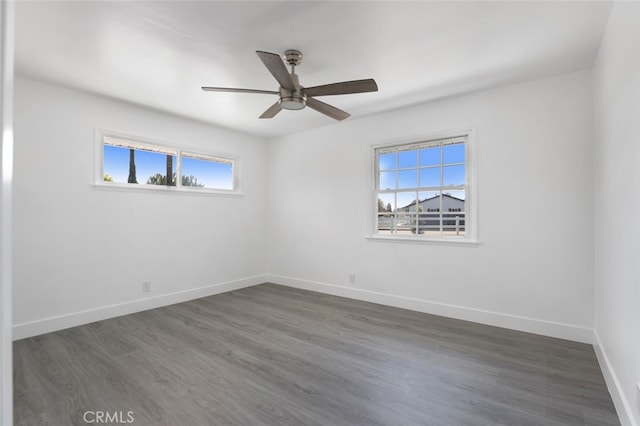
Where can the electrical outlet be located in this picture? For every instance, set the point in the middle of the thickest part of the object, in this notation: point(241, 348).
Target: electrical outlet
point(146, 286)
point(352, 278)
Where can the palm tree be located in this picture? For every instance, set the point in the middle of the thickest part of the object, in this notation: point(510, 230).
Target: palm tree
point(132, 166)
point(170, 180)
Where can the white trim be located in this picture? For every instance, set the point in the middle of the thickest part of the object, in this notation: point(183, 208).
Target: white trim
point(48, 325)
point(421, 240)
point(497, 319)
point(6, 176)
point(184, 190)
point(622, 404)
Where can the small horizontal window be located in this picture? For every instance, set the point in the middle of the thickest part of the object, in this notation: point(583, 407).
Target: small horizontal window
point(132, 162)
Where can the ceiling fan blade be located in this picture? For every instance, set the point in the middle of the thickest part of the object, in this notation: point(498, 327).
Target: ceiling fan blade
point(346, 87)
point(277, 68)
point(272, 111)
point(327, 109)
point(231, 89)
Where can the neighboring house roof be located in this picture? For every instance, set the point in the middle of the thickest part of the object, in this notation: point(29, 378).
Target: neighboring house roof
point(432, 198)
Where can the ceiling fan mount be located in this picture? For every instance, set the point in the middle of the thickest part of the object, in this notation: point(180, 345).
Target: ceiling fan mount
point(293, 96)
point(293, 57)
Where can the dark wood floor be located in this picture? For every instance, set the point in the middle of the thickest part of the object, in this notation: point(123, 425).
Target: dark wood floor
point(272, 355)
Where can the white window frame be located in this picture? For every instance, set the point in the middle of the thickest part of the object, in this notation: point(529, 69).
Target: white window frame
point(470, 186)
point(166, 148)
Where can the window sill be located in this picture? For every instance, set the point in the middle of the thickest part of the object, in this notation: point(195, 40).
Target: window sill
point(166, 189)
point(422, 240)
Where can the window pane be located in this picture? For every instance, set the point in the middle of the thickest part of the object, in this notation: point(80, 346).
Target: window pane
point(453, 153)
point(453, 175)
point(429, 213)
point(429, 201)
point(406, 214)
point(461, 195)
point(454, 213)
point(386, 202)
point(386, 223)
point(430, 156)
point(201, 172)
point(387, 161)
point(430, 177)
point(151, 167)
point(116, 164)
point(386, 218)
point(406, 200)
point(408, 179)
point(408, 158)
point(127, 165)
point(387, 180)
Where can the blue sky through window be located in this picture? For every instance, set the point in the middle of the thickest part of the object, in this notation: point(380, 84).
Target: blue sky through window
point(427, 167)
point(212, 174)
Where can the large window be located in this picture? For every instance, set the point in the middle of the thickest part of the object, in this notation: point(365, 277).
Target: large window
point(422, 189)
point(128, 162)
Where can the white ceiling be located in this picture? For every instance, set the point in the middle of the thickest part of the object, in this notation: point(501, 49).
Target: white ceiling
point(158, 54)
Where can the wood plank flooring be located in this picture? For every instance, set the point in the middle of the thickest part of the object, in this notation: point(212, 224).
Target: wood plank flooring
point(272, 355)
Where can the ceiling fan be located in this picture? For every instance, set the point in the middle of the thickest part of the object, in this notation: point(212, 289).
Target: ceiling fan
point(292, 95)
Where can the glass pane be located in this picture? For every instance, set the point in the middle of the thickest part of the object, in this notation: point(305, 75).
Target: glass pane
point(406, 201)
point(386, 223)
point(386, 202)
point(386, 206)
point(453, 175)
point(116, 164)
point(454, 213)
point(127, 165)
point(461, 195)
point(387, 161)
point(430, 156)
point(201, 172)
point(406, 213)
point(408, 158)
point(408, 179)
point(453, 153)
point(430, 177)
point(429, 213)
point(387, 180)
point(429, 201)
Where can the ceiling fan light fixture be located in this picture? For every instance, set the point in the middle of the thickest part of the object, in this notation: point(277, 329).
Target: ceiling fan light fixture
point(293, 102)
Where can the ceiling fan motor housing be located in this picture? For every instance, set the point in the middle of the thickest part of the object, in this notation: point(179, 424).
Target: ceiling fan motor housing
point(293, 99)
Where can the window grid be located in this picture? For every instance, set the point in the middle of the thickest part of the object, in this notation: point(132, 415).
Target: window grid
point(449, 221)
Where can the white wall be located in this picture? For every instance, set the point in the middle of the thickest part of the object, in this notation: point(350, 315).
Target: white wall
point(533, 269)
point(79, 248)
point(617, 207)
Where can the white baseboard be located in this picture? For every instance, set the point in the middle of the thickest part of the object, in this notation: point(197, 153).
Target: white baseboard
point(48, 325)
point(623, 407)
point(529, 325)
